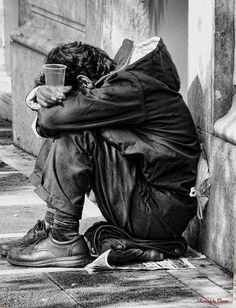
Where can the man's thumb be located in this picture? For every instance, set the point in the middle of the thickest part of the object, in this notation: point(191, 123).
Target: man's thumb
point(67, 89)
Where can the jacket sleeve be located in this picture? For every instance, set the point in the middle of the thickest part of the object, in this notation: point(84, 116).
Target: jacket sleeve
point(118, 102)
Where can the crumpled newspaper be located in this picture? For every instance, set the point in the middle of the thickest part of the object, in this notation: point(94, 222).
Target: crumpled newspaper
point(101, 264)
point(203, 184)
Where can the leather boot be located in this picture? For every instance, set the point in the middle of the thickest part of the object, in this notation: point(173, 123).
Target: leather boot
point(38, 232)
point(49, 252)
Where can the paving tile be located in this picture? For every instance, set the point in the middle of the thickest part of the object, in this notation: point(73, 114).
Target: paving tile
point(126, 289)
point(154, 304)
point(33, 291)
point(201, 284)
point(215, 273)
point(8, 269)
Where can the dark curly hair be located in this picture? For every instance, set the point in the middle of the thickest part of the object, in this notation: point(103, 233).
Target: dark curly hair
point(80, 59)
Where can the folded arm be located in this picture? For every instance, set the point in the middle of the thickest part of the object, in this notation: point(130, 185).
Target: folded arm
point(118, 102)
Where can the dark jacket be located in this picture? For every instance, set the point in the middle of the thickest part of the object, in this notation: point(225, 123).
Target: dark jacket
point(140, 111)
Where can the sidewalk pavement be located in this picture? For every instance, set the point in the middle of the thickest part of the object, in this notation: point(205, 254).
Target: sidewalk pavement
point(208, 285)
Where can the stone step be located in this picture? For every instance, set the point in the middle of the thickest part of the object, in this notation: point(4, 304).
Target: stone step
point(5, 124)
point(6, 133)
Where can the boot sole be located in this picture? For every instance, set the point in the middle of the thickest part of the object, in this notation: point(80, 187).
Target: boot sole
point(56, 262)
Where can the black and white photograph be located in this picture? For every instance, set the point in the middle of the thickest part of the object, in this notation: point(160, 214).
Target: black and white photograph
point(117, 153)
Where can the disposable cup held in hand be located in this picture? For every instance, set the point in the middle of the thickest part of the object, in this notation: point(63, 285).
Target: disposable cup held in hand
point(54, 74)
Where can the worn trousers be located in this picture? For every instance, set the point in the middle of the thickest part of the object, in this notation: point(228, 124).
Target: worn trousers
point(72, 164)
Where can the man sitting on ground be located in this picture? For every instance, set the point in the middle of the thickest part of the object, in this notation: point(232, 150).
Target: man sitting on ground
point(130, 138)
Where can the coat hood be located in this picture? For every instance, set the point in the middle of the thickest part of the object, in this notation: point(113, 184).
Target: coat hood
point(157, 63)
point(150, 57)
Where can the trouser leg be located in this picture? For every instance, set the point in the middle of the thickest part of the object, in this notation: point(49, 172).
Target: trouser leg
point(35, 177)
point(118, 189)
point(66, 174)
point(78, 162)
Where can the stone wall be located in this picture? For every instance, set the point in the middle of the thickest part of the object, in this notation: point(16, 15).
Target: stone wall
point(44, 24)
point(224, 57)
point(124, 19)
point(8, 22)
point(211, 49)
point(169, 20)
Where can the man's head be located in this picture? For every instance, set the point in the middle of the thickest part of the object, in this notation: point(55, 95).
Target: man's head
point(80, 59)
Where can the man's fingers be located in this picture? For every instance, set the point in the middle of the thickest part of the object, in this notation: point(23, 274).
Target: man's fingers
point(53, 98)
point(43, 103)
point(64, 89)
point(45, 91)
point(49, 96)
point(49, 93)
point(60, 92)
point(58, 96)
point(41, 97)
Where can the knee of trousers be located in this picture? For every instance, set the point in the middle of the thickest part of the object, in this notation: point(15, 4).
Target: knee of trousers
point(82, 141)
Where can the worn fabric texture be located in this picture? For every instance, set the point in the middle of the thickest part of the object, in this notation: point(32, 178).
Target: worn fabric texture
point(103, 236)
point(72, 164)
point(133, 141)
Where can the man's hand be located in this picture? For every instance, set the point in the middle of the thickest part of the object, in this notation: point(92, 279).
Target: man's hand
point(47, 96)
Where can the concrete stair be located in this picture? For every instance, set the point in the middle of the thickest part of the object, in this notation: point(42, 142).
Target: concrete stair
point(6, 134)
